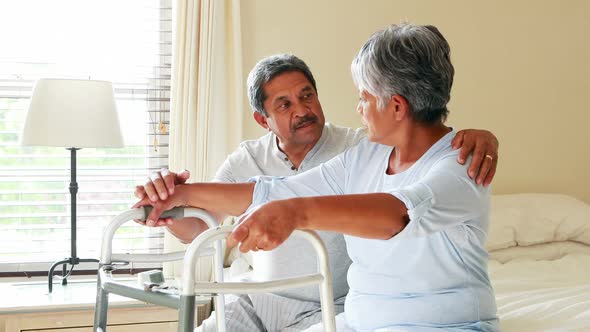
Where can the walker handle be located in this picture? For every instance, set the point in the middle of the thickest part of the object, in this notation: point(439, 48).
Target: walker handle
point(176, 213)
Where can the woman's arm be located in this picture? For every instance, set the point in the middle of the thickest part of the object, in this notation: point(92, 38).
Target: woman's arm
point(217, 198)
point(234, 198)
point(374, 216)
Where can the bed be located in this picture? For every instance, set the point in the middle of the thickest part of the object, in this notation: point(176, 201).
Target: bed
point(539, 265)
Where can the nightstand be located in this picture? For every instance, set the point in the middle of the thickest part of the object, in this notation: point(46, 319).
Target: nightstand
point(29, 307)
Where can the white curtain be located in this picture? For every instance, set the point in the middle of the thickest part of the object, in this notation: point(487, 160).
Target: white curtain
point(206, 98)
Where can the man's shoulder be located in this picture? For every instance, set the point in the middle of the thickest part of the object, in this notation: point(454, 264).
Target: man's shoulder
point(255, 146)
point(251, 150)
point(345, 131)
point(246, 160)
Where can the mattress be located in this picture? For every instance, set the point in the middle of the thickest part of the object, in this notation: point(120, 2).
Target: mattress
point(543, 295)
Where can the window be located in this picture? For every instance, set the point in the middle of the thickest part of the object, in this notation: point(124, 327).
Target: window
point(126, 42)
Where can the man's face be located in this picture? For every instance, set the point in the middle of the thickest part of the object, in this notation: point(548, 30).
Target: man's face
point(294, 111)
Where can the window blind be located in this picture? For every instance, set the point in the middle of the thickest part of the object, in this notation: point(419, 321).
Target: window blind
point(126, 42)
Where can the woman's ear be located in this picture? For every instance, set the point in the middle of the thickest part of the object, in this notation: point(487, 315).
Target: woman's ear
point(400, 106)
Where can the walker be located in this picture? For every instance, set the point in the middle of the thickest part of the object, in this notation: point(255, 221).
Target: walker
point(193, 292)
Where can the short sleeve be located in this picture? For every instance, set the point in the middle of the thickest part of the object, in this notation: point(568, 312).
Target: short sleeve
point(224, 173)
point(228, 172)
point(445, 197)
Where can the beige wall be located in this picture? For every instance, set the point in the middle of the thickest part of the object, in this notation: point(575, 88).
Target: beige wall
point(522, 71)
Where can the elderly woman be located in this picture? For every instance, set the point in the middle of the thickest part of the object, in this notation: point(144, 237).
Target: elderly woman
point(415, 224)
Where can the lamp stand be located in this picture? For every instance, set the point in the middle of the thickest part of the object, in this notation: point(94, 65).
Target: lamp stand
point(73, 259)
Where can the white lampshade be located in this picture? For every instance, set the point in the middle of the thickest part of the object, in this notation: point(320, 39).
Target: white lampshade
point(72, 113)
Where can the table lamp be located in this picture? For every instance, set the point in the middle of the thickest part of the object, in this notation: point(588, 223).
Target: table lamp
point(73, 114)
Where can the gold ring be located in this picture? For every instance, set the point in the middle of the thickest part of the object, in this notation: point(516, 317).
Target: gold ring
point(491, 158)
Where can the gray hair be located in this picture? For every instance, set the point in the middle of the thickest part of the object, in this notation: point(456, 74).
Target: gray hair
point(408, 60)
point(267, 69)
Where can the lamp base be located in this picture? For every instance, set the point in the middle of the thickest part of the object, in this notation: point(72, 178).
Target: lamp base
point(64, 262)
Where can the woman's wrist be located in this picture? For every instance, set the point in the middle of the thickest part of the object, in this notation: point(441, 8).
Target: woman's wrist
point(298, 212)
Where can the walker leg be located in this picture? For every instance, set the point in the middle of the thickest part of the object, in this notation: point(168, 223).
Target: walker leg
point(219, 312)
point(327, 303)
point(219, 299)
point(186, 314)
point(101, 308)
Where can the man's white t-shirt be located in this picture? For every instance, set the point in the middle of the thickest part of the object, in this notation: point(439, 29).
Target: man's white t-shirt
point(295, 257)
point(431, 275)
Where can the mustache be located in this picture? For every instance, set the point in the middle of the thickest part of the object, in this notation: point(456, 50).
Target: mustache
point(302, 120)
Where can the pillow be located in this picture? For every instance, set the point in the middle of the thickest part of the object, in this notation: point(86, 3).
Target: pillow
point(545, 251)
point(530, 219)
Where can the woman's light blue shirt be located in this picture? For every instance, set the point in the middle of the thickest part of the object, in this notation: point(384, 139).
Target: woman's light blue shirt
point(431, 275)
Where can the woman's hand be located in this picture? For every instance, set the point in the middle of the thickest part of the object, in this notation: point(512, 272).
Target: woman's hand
point(265, 227)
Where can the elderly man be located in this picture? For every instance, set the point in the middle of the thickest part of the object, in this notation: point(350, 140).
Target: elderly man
point(283, 95)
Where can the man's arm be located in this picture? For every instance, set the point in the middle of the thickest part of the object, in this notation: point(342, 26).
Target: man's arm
point(484, 146)
point(185, 229)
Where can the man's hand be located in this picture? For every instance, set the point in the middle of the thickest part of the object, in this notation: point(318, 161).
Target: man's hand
point(264, 228)
point(158, 207)
point(161, 184)
point(484, 146)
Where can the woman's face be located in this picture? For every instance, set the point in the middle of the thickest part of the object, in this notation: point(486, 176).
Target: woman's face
point(377, 122)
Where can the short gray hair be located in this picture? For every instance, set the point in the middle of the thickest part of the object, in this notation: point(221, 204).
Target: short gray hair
point(408, 60)
point(267, 69)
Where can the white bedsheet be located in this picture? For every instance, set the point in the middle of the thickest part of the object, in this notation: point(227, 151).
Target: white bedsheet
point(543, 295)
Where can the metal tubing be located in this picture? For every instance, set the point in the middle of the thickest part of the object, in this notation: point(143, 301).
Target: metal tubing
point(106, 284)
point(219, 300)
point(73, 194)
point(258, 286)
point(110, 286)
point(109, 233)
point(186, 314)
point(156, 258)
point(102, 306)
point(52, 269)
point(106, 256)
point(186, 302)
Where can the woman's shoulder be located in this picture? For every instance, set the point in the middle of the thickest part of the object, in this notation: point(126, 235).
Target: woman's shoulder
point(442, 156)
point(366, 153)
point(365, 146)
point(447, 162)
